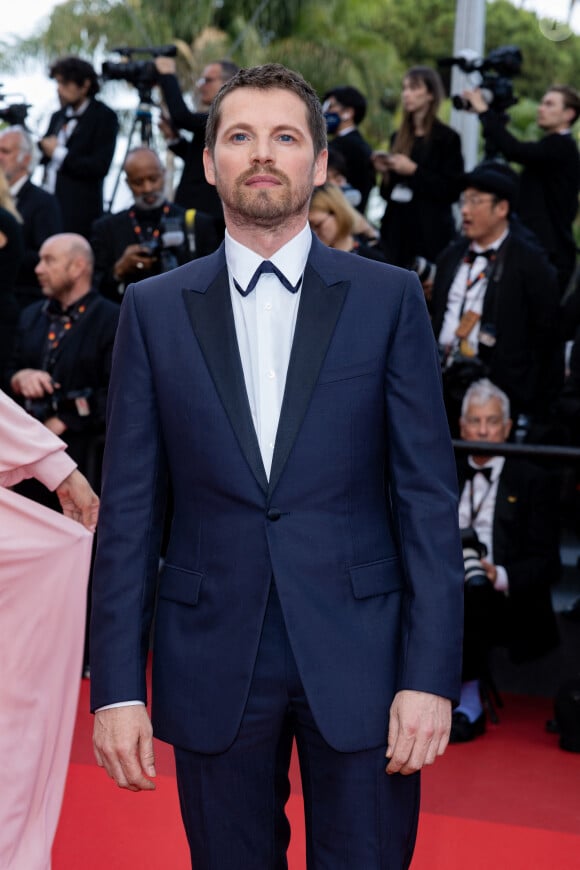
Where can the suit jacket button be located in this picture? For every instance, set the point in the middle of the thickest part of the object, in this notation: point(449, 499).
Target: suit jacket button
point(274, 514)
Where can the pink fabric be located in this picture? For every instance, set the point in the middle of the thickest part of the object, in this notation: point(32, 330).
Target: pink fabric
point(44, 568)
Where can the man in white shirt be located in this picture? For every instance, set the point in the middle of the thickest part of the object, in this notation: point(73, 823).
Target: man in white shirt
point(508, 513)
point(278, 384)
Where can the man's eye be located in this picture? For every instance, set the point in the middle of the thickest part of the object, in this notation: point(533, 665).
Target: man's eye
point(286, 137)
point(239, 137)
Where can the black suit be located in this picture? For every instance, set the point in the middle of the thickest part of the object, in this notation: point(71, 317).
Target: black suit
point(521, 300)
point(193, 191)
point(79, 181)
point(526, 543)
point(356, 152)
point(83, 362)
point(41, 216)
point(548, 196)
point(111, 234)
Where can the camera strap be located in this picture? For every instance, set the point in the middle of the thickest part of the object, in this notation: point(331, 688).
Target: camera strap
point(154, 232)
point(60, 325)
point(475, 511)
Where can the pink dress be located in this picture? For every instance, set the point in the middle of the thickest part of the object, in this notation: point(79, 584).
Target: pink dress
point(44, 568)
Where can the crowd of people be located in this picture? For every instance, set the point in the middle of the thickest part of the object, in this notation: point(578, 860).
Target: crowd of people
point(490, 310)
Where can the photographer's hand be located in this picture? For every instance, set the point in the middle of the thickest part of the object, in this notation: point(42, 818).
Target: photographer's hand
point(55, 424)
point(165, 65)
point(32, 383)
point(133, 259)
point(475, 99)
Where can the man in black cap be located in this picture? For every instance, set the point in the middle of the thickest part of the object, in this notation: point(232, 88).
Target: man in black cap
point(495, 303)
point(344, 109)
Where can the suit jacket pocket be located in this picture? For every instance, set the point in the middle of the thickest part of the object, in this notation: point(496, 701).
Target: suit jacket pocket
point(376, 578)
point(180, 584)
point(346, 372)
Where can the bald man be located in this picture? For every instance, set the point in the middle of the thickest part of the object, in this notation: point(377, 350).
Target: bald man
point(152, 236)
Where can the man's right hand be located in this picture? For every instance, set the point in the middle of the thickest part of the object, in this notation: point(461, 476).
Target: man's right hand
point(123, 745)
point(133, 258)
point(165, 65)
point(32, 383)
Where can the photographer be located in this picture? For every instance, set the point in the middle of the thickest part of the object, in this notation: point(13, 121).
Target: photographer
point(150, 237)
point(548, 194)
point(60, 365)
point(79, 145)
point(510, 507)
point(193, 191)
point(495, 303)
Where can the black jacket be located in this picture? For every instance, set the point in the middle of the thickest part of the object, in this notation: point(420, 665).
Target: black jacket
point(79, 181)
point(41, 216)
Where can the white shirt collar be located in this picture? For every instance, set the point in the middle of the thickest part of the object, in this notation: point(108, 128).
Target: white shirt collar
point(496, 463)
point(18, 185)
point(494, 245)
point(291, 258)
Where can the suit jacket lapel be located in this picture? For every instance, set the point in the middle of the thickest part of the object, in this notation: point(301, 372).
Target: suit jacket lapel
point(320, 306)
point(212, 319)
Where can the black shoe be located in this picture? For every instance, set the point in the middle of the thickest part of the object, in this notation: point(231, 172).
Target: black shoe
point(462, 730)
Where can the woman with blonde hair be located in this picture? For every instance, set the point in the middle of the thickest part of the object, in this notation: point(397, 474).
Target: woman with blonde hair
point(421, 176)
point(338, 225)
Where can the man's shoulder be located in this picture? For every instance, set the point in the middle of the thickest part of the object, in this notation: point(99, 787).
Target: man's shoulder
point(102, 111)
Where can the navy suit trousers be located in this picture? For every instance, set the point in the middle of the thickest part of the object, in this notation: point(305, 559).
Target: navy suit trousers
point(357, 816)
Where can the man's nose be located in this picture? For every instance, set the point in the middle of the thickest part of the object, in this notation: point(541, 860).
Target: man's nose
point(262, 151)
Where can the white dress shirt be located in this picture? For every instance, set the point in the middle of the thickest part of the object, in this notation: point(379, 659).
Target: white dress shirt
point(461, 298)
point(61, 150)
point(481, 500)
point(265, 320)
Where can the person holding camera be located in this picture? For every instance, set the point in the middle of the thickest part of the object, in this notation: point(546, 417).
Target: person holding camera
point(548, 192)
point(420, 176)
point(152, 236)
point(495, 303)
point(79, 145)
point(508, 513)
point(60, 365)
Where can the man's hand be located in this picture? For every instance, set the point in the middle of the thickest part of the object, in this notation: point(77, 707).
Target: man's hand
point(78, 501)
point(56, 425)
point(123, 744)
point(165, 65)
point(419, 726)
point(48, 145)
point(32, 383)
point(475, 99)
point(133, 258)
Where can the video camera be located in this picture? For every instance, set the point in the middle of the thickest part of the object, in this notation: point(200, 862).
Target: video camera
point(14, 113)
point(140, 73)
point(496, 72)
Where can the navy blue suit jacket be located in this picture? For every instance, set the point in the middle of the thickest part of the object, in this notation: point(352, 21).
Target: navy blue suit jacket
point(357, 522)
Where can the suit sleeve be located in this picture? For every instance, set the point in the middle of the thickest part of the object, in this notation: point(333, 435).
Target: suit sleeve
point(423, 491)
point(543, 152)
point(181, 115)
point(93, 162)
point(132, 506)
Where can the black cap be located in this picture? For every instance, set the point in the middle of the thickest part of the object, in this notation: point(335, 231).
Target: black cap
point(496, 178)
point(567, 715)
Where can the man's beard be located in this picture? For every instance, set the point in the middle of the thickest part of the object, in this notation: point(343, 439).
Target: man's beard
point(264, 206)
point(157, 200)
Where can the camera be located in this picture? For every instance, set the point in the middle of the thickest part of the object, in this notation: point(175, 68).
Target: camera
point(496, 72)
point(424, 268)
point(15, 113)
point(473, 552)
point(74, 401)
point(140, 73)
point(163, 247)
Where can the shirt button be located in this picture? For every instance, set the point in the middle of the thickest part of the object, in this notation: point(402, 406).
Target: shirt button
point(271, 374)
point(268, 306)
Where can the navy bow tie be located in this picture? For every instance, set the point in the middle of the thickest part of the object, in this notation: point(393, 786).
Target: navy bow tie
point(470, 472)
point(267, 267)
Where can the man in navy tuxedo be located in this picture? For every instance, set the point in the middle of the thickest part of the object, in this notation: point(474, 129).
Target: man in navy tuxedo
point(312, 586)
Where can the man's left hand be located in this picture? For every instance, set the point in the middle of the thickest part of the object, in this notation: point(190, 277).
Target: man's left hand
point(419, 726)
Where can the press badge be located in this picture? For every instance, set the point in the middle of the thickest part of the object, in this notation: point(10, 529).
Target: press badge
point(82, 406)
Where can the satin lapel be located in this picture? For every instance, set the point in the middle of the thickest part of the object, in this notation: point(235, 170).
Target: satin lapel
point(213, 323)
point(503, 515)
point(320, 307)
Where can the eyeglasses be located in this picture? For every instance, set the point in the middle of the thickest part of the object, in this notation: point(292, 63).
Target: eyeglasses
point(207, 80)
point(475, 199)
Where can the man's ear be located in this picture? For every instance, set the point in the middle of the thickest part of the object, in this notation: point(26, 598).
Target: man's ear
point(208, 166)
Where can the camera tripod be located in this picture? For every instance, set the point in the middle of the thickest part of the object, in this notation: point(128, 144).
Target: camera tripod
point(143, 124)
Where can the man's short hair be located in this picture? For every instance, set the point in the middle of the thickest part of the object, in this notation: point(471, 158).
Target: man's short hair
point(350, 98)
point(483, 391)
point(493, 177)
point(270, 76)
point(74, 69)
point(228, 68)
point(570, 98)
point(26, 146)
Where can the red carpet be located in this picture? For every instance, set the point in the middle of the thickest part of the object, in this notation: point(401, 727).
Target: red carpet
point(508, 801)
